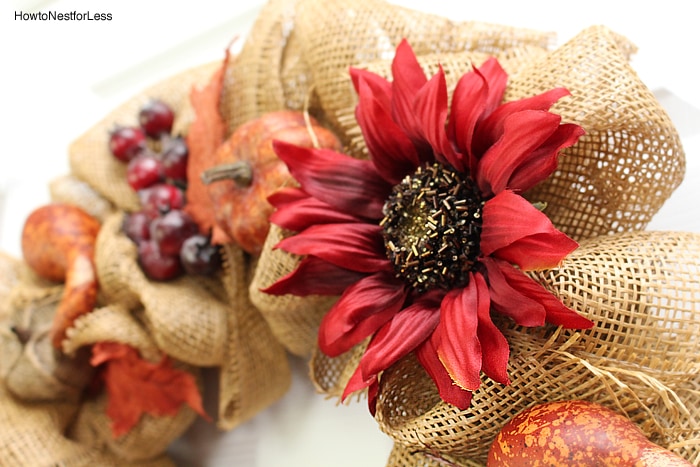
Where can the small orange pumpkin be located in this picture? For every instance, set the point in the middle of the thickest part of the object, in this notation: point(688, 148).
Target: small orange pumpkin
point(578, 433)
point(246, 171)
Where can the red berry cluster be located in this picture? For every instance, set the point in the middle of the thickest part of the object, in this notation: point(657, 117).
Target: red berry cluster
point(168, 239)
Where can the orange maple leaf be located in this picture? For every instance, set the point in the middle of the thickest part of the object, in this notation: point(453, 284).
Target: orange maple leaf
point(206, 133)
point(135, 386)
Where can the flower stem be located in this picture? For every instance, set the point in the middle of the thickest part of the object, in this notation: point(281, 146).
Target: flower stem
point(240, 172)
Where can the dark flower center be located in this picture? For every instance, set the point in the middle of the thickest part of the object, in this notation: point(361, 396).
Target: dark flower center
point(432, 226)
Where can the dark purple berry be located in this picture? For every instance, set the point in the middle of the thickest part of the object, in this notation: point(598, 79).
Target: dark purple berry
point(155, 264)
point(171, 230)
point(125, 143)
point(156, 118)
point(199, 256)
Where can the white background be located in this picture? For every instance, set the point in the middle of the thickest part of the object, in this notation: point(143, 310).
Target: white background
point(58, 78)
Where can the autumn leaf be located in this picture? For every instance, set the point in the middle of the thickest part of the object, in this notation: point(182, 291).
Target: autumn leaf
point(206, 133)
point(135, 386)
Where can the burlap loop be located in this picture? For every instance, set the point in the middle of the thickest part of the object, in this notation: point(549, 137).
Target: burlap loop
point(111, 323)
point(618, 175)
point(255, 372)
point(293, 320)
point(40, 373)
point(293, 57)
point(70, 189)
point(640, 359)
point(42, 389)
point(186, 317)
point(89, 156)
point(36, 437)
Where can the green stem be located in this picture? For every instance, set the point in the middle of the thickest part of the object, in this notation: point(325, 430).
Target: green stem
point(240, 172)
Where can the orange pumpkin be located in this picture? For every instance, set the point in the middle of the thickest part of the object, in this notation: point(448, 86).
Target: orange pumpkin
point(577, 433)
point(246, 171)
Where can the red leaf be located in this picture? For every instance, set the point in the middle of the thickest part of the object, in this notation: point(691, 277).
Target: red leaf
point(206, 133)
point(136, 386)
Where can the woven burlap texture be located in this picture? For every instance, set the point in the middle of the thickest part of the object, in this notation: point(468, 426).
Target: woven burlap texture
point(40, 389)
point(612, 182)
point(642, 289)
point(203, 321)
point(200, 321)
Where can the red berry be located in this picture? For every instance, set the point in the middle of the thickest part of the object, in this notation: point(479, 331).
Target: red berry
point(174, 156)
point(199, 256)
point(156, 117)
point(171, 230)
point(161, 198)
point(155, 264)
point(137, 226)
point(126, 142)
point(144, 171)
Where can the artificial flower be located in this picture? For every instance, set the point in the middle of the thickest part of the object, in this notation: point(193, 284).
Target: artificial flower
point(431, 235)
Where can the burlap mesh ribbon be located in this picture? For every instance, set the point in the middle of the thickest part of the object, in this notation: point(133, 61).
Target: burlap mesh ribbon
point(40, 389)
point(606, 190)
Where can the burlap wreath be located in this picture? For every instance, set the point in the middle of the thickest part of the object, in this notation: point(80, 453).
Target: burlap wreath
point(640, 287)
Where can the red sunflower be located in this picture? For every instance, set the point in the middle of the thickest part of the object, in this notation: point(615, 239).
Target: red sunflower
point(430, 236)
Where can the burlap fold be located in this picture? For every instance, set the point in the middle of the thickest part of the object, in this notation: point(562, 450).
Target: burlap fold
point(298, 52)
point(34, 436)
point(42, 390)
point(641, 289)
point(186, 317)
point(255, 372)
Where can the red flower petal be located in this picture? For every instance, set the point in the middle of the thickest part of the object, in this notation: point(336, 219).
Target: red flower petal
point(409, 78)
point(362, 309)
point(557, 313)
point(458, 346)
point(515, 231)
point(523, 133)
point(494, 345)
point(400, 336)
point(391, 151)
point(377, 85)
point(448, 390)
point(476, 95)
point(509, 301)
point(287, 195)
point(430, 108)
point(491, 128)
point(313, 276)
point(348, 184)
point(543, 162)
point(358, 247)
point(297, 214)
point(356, 383)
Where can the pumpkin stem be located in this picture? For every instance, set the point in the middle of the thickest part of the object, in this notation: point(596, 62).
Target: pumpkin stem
point(240, 172)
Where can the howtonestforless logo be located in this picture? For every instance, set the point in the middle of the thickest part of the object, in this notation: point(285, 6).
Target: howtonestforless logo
point(62, 16)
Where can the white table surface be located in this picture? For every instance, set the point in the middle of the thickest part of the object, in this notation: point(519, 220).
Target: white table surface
point(92, 67)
